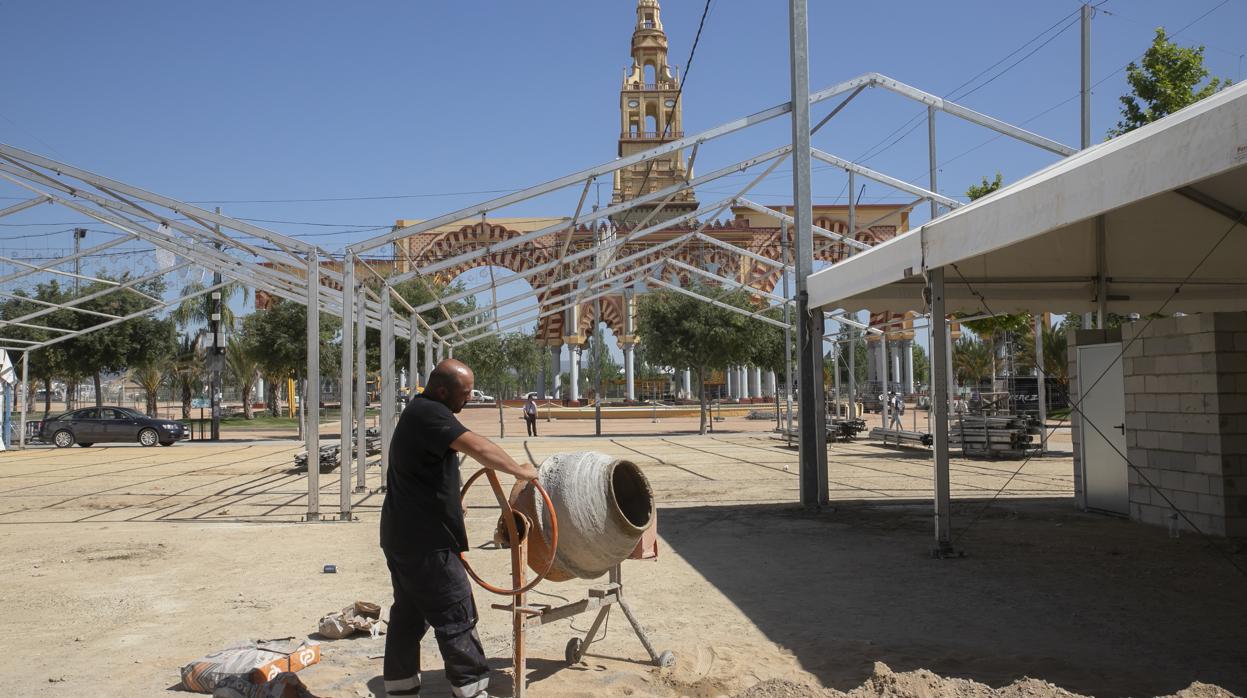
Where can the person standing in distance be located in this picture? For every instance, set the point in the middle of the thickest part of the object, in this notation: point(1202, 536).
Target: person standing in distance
point(530, 414)
point(422, 534)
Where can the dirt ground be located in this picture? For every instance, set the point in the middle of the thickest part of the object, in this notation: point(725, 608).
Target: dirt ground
point(121, 564)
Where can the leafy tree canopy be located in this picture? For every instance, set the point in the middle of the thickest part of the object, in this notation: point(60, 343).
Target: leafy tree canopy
point(1167, 79)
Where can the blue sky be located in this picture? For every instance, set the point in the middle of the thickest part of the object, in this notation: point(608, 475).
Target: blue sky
point(435, 105)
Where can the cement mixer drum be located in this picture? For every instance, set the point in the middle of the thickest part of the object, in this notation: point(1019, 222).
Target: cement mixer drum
point(603, 504)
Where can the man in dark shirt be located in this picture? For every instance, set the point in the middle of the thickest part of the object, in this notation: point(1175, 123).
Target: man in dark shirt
point(422, 534)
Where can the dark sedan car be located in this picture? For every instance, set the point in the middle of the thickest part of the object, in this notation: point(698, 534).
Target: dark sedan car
point(92, 425)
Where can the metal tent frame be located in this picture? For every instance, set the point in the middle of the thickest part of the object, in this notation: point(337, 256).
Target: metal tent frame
point(291, 269)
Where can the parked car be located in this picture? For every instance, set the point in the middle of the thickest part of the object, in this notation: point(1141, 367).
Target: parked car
point(92, 425)
point(478, 396)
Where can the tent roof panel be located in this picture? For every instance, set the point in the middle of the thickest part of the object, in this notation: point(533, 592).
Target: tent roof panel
point(1031, 245)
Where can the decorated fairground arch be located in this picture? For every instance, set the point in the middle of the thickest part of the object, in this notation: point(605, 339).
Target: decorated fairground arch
point(732, 249)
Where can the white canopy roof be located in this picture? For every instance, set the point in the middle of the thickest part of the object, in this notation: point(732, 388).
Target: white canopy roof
point(1168, 192)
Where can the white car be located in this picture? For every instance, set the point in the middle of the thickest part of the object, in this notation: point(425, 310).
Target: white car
point(478, 396)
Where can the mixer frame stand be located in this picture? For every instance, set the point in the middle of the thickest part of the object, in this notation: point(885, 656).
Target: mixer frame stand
point(600, 598)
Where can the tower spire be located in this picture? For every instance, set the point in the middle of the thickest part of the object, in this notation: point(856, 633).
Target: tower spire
point(650, 114)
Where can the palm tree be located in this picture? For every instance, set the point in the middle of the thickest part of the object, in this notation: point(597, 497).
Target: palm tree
point(1056, 355)
point(187, 371)
point(198, 310)
point(149, 377)
point(998, 327)
point(972, 360)
point(245, 368)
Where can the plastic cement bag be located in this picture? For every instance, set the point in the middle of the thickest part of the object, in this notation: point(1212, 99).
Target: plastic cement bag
point(362, 616)
point(254, 662)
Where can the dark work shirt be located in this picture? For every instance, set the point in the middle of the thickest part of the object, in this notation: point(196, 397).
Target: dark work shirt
point(422, 509)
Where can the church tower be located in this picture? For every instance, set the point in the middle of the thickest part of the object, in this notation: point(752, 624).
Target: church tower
point(649, 115)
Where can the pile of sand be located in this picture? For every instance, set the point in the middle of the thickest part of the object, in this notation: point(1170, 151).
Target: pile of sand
point(885, 683)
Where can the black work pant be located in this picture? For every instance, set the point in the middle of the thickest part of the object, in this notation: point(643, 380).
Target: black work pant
point(432, 589)
point(531, 421)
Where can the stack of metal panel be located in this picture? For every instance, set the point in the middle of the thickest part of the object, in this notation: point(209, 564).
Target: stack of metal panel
point(996, 436)
point(900, 437)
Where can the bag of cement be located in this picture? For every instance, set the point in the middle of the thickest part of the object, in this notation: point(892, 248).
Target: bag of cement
point(285, 685)
point(256, 662)
point(362, 616)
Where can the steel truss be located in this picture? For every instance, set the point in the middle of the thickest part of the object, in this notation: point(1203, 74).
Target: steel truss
point(293, 270)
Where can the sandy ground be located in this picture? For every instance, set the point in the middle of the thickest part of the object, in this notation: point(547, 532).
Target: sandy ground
point(121, 564)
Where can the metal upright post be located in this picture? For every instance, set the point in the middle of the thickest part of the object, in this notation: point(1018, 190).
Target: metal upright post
point(835, 348)
point(941, 360)
point(1041, 384)
point(361, 388)
point(1085, 111)
point(218, 349)
point(813, 442)
point(21, 432)
point(385, 394)
point(345, 384)
point(311, 407)
point(885, 406)
point(852, 374)
point(413, 359)
point(787, 249)
point(597, 354)
point(428, 354)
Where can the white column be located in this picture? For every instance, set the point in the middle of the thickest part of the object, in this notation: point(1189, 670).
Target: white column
point(311, 408)
point(907, 349)
point(755, 382)
point(629, 375)
point(883, 373)
point(556, 368)
point(686, 382)
point(771, 390)
point(896, 362)
point(575, 374)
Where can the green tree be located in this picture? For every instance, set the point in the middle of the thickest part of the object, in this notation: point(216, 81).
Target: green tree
point(186, 372)
point(685, 332)
point(1167, 80)
point(281, 331)
point(972, 360)
point(242, 360)
point(150, 377)
point(978, 191)
point(922, 365)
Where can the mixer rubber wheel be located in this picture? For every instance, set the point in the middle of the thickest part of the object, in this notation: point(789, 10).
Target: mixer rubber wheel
point(572, 652)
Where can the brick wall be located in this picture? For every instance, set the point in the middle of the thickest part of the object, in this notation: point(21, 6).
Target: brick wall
point(1186, 420)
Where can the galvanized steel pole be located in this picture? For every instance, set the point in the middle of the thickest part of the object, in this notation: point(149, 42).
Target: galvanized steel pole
point(787, 248)
point(21, 432)
point(385, 392)
point(1041, 386)
point(311, 396)
point(940, 360)
point(345, 385)
point(813, 442)
point(361, 388)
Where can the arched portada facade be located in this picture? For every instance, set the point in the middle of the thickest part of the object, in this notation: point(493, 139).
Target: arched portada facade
point(558, 325)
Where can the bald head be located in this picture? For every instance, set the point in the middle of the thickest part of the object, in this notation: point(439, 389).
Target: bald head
point(450, 383)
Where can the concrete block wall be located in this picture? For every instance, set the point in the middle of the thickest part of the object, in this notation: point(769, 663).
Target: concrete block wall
point(1075, 339)
point(1186, 420)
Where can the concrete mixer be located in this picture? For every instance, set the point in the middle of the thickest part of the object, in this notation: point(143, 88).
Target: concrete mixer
point(585, 514)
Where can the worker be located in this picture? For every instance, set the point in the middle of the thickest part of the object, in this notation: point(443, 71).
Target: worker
point(423, 532)
point(896, 408)
point(530, 414)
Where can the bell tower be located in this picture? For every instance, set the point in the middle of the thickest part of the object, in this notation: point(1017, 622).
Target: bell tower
point(650, 115)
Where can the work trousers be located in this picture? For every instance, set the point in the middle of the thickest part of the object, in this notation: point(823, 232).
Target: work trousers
point(432, 589)
point(531, 421)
